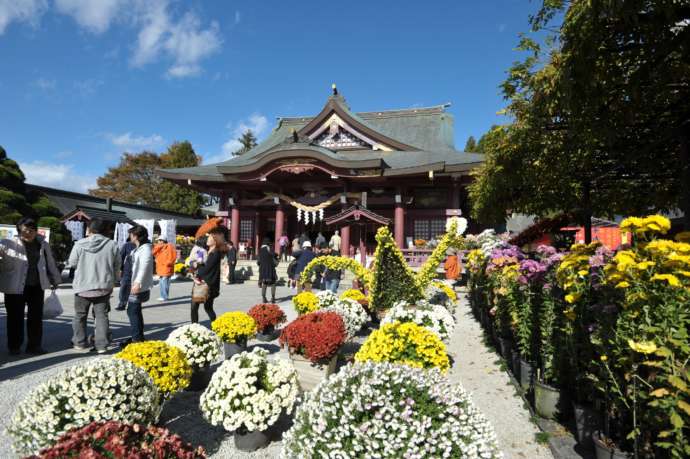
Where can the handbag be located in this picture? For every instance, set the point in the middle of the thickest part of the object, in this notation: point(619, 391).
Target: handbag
point(200, 292)
point(52, 306)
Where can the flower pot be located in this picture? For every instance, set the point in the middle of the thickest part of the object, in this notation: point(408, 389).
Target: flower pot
point(546, 399)
point(605, 452)
point(515, 362)
point(506, 348)
point(268, 334)
point(234, 348)
point(526, 375)
point(201, 376)
point(587, 421)
point(309, 374)
point(251, 441)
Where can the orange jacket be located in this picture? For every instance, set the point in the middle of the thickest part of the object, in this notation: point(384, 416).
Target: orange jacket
point(165, 255)
point(452, 267)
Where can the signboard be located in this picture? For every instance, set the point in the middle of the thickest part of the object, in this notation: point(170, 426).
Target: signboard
point(10, 231)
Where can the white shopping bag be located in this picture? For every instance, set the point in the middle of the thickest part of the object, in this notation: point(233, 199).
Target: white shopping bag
point(52, 306)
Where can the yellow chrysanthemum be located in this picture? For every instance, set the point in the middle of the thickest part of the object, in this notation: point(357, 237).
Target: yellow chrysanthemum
point(167, 365)
point(572, 297)
point(623, 284)
point(353, 294)
point(305, 302)
point(643, 347)
point(672, 280)
point(570, 314)
point(234, 326)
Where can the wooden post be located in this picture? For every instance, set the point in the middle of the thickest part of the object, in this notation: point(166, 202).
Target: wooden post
point(399, 224)
point(280, 220)
point(235, 226)
point(587, 212)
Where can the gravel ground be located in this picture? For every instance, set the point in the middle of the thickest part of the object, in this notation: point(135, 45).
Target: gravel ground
point(475, 366)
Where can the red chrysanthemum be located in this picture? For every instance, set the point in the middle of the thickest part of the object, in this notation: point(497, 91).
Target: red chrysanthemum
point(266, 315)
point(317, 336)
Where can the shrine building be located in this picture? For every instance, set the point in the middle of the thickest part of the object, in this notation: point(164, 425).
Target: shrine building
point(342, 170)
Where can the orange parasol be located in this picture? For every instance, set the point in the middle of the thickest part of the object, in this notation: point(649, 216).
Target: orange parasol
point(208, 226)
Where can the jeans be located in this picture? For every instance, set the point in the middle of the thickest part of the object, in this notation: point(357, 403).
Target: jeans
point(136, 318)
point(231, 272)
point(32, 298)
point(332, 284)
point(165, 287)
point(101, 306)
point(208, 307)
point(124, 294)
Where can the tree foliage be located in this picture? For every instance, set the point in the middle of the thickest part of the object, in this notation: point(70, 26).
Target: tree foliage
point(599, 125)
point(470, 145)
point(135, 180)
point(248, 141)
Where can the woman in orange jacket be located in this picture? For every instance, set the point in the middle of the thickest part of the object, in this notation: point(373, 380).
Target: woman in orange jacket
point(452, 266)
point(165, 255)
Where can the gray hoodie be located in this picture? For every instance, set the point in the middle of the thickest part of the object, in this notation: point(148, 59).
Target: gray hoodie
point(96, 261)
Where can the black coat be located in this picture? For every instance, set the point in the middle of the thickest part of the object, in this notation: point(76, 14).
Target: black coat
point(210, 273)
point(232, 255)
point(267, 265)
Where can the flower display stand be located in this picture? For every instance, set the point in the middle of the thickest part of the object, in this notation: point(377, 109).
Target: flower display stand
point(309, 374)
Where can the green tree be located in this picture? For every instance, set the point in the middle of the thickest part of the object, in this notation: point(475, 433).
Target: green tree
point(133, 180)
point(248, 141)
point(470, 145)
point(16, 202)
point(174, 197)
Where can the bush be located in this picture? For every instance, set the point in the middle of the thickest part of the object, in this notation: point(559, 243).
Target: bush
point(432, 316)
point(235, 326)
point(115, 439)
point(405, 343)
point(267, 315)
point(353, 314)
point(249, 392)
point(99, 390)
point(305, 302)
point(316, 336)
point(200, 345)
point(385, 410)
point(167, 365)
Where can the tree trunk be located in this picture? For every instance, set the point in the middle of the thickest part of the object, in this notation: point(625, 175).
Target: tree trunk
point(685, 180)
point(587, 212)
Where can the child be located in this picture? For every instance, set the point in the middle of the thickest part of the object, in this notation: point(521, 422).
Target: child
point(452, 266)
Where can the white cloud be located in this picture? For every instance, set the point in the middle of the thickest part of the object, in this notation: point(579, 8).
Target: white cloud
point(46, 84)
point(21, 10)
point(61, 176)
point(257, 123)
point(130, 143)
point(87, 87)
point(96, 16)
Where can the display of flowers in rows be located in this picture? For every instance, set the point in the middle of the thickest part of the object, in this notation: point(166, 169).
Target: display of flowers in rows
point(234, 327)
point(455, 227)
point(99, 390)
point(432, 316)
point(267, 315)
point(379, 409)
point(200, 345)
point(249, 392)
point(167, 365)
point(353, 314)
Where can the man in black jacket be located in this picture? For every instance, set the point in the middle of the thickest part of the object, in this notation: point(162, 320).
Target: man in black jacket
point(232, 262)
point(126, 276)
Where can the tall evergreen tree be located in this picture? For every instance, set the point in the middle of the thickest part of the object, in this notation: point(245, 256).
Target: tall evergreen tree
point(471, 145)
point(248, 141)
point(174, 197)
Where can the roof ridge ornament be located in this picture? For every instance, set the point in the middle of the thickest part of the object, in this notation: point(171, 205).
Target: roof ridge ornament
point(335, 89)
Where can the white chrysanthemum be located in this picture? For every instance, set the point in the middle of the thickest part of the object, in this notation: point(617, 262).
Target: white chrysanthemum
point(326, 299)
point(386, 410)
point(436, 295)
point(250, 392)
point(99, 390)
point(201, 345)
point(432, 316)
point(353, 314)
point(460, 225)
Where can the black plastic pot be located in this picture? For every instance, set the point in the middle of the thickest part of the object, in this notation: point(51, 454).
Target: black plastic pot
point(268, 334)
point(515, 363)
point(201, 376)
point(506, 346)
point(546, 400)
point(604, 452)
point(251, 441)
point(587, 421)
point(526, 375)
point(234, 348)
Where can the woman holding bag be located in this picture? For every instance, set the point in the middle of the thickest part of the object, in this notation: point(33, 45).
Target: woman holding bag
point(27, 269)
point(207, 278)
point(142, 281)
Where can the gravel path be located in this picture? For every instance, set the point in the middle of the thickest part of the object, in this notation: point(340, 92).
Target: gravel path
point(475, 367)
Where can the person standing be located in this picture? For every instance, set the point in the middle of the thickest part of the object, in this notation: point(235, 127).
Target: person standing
point(283, 243)
point(320, 240)
point(295, 246)
point(232, 262)
point(451, 265)
point(126, 276)
point(96, 260)
point(142, 281)
point(209, 273)
point(267, 261)
point(165, 255)
point(331, 277)
point(334, 243)
point(303, 257)
point(27, 269)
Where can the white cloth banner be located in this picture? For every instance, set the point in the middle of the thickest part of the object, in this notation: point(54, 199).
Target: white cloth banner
point(168, 230)
point(149, 225)
point(76, 228)
point(121, 233)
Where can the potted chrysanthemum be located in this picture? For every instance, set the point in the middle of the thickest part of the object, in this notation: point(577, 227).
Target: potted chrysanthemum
point(234, 328)
point(167, 365)
point(202, 348)
point(432, 316)
point(313, 341)
point(353, 314)
point(247, 395)
point(268, 317)
point(305, 302)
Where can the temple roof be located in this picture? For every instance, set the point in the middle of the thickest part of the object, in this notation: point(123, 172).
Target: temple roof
point(398, 142)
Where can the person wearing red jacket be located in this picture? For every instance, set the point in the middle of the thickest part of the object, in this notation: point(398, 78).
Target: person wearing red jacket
point(165, 255)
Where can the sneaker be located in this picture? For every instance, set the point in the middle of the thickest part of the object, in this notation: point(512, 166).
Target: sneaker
point(79, 347)
point(160, 298)
point(120, 308)
point(99, 351)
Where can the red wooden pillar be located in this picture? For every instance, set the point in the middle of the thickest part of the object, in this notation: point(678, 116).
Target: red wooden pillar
point(362, 246)
point(399, 222)
point(345, 241)
point(280, 220)
point(257, 233)
point(235, 226)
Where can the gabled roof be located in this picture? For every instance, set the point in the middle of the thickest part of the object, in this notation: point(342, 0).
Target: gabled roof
point(356, 214)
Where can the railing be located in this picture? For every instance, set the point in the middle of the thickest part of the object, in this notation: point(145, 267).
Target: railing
point(416, 257)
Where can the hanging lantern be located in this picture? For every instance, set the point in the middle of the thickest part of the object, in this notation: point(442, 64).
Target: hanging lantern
point(299, 214)
point(321, 214)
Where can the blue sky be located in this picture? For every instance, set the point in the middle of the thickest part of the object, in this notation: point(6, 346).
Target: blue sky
point(81, 81)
